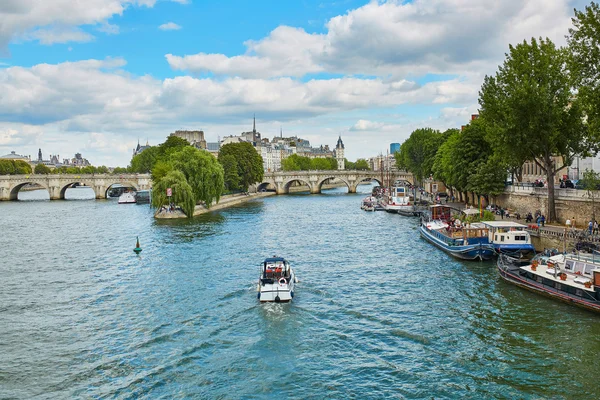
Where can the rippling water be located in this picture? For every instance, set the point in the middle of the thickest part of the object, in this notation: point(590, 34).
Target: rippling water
point(378, 312)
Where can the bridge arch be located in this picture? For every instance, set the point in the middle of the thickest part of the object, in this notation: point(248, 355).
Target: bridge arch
point(287, 184)
point(105, 189)
point(323, 179)
point(14, 191)
point(365, 179)
point(63, 189)
point(265, 186)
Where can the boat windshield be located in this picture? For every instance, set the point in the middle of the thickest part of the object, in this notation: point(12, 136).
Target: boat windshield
point(275, 268)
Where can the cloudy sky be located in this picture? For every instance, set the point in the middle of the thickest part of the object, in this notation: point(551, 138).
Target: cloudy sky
point(95, 76)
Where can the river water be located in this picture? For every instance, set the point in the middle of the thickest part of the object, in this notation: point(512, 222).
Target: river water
point(378, 312)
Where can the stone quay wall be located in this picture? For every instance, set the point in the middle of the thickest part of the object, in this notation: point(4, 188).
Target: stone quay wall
point(569, 203)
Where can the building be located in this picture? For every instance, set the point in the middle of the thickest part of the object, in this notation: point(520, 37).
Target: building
point(79, 161)
point(394, 147)
point(339, 154)
point(213, 148)
point(14, 156)
point(139, 148)
point(196, 138)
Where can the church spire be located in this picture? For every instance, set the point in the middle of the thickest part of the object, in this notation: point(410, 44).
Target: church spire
point(281, 132)
point(254, 124)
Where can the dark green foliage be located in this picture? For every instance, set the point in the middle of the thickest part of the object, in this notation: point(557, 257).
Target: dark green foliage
point(417, 153)
point(249, 162)
point(532, 112)
point(183, 195)
point(41, 169)
point(202, 171)
point(144, 162)
point(120, 170)
point(584, 62)
point(231, 175)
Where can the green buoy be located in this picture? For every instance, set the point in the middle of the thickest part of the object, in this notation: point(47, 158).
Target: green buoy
point(137, 249)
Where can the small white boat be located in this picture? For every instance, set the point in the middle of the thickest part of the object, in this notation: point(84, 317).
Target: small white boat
point(277, 281)
point(127, 198)
point(368, 203)
point(398, 201)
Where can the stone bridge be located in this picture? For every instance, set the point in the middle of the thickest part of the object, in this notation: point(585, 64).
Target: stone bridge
point(57, 185)
point(281, 181)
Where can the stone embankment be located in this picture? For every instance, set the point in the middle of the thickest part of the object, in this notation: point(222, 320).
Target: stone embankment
point(224, 202)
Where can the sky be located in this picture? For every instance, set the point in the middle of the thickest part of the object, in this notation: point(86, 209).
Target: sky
point(96, 76)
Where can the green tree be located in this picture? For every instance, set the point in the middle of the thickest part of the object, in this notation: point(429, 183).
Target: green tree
point(41, 169)
point(584, 62)
point(102, 169)
point(591, 183)
point(323, 164)
point(22, 167)
point(349, 165)
point(202, 171)
point(231, 175)
point(534, 115)
point(417, 153)
point(120, 170)
point(250, 163)
point(182, 193)
point(161, 169)
point(143, 163)
point(361, 165)
point(7, 167)
point(290, 164)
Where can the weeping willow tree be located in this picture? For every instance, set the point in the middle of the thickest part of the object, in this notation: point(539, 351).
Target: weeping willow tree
point(182, 193)
point(202, 171)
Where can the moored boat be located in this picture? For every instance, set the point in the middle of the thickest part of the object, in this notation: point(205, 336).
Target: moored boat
point(511, 238)
point(127, 198)
point(277, 281)
point(571, 278)
point(439, 226)
point(398, 201)
point(368, 203)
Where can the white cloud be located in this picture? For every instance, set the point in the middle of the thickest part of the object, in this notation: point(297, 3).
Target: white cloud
point(169, 26)
point(109, 29)
point(364, 125)
point(21, 19)
point(395, 38)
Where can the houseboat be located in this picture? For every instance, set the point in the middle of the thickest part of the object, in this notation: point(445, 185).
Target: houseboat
point(398, 201)
point(127, 198)
point(572, 278)
point(510, 238)
point(442, 226)
point(277, 281)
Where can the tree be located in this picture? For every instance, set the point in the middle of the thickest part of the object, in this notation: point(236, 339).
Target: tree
point(41, 169)
point(7, 167)
point(591, 183)
point(349, 165)
point(22, 167)
point(143, 163)
point(290, 164)
point(417, 153)
point(231, 175)
point(445, 163)
point(202, 171)
point(323, 164)
point(250, 163)
point(182, 194)
point(120, 170)
point(533, 114)
point(361, 165)
point(584, 62)
point(161, 169)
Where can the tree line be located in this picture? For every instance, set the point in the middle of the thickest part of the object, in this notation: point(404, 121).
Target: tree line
point(302, 163)
point(542, 105)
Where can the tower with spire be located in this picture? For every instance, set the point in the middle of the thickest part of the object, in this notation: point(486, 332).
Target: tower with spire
point(339, 153)
point(40, 155)
point(254, 124)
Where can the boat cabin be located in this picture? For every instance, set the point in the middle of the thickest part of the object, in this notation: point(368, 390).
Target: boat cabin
point(507, 232)
point(275, 268)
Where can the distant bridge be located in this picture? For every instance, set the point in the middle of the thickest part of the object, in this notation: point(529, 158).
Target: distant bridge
point(58, 184)
point(282, 181)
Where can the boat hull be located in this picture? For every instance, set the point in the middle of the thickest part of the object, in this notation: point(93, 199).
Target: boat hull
point(512, 276)
point(479, 251)
point(515, 250)
point(276, 292)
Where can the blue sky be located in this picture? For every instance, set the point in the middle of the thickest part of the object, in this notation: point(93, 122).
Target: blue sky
point(95, 76)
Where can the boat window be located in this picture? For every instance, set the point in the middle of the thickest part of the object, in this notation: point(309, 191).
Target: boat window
point(502, 238)
point(496, 238)
point(578, 292)
point(569, 265)
point(558, 286)
point(588, 269)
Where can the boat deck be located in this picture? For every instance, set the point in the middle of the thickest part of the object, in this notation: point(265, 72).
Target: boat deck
point(573, 280)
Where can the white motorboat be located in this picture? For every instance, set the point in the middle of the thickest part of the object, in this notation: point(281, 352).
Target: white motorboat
point(127, 198)
point(277, 281)
point(368, 203)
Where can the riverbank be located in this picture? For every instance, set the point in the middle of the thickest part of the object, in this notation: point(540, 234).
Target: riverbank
point(225, 201)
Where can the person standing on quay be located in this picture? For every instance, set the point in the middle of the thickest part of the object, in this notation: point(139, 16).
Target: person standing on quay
point(502, 213)
point(568, 223)
point(590, 227)
point(595, 227)
point(573, 223)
